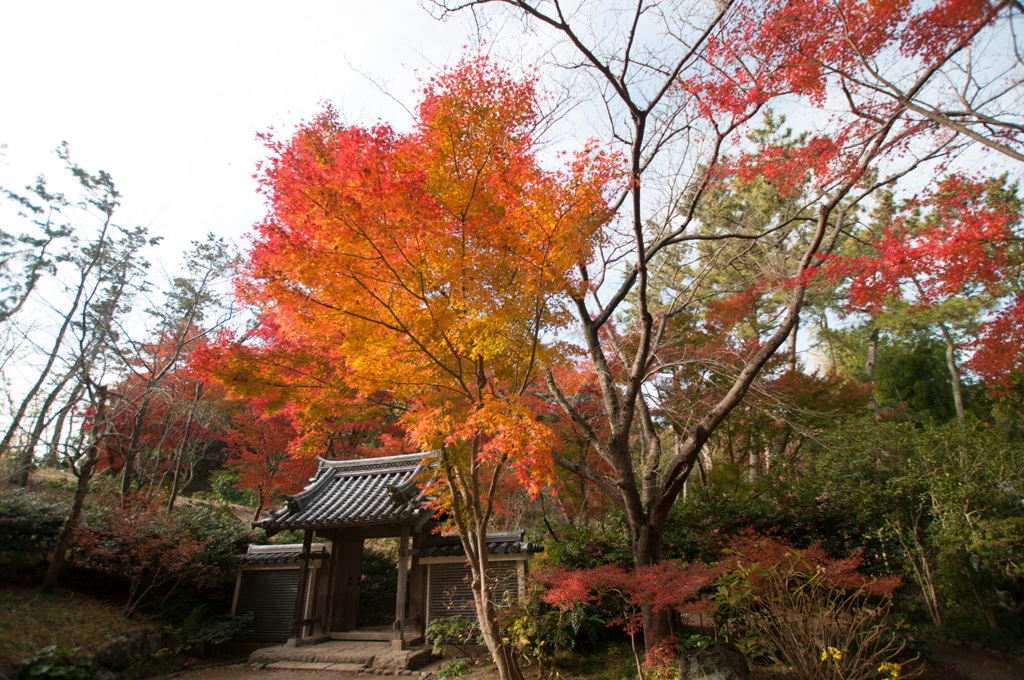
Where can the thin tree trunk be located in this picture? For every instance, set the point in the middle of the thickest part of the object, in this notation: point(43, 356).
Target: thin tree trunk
point(828, 343)
point(37, 431)
point(85, 470)
point(954, 371)
point(791, 344)
point(986, 611)
point(471, 508)
point(52, 455)
point(128, 471)
point(58, 342)
point(180, 452)
point(917, 555)
point(44, 374)
point(486, 608)
point(869, 370)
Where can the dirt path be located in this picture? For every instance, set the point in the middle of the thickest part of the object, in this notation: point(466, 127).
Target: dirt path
point(960, 663)
point(246, 672)
point(945, 662)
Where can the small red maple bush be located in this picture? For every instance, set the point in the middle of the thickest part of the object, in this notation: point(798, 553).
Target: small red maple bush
point(145, 545)
point(821, 615)
point(666, 586)
point(800, 601)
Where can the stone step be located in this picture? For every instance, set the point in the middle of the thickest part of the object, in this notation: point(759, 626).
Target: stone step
point(370, 655)
point(316, 666)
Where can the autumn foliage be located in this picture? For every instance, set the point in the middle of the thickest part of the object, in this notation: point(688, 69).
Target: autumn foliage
point(429, 268)
point(956, 241)
point(805, 47)
point(145, 545)
point(427, 274)
point(259, 448)
point(802, 601)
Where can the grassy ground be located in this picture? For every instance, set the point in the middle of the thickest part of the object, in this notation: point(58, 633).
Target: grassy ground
point(33, 619)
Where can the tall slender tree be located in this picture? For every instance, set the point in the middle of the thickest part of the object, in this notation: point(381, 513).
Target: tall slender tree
point(103, 269)
point(434, 270)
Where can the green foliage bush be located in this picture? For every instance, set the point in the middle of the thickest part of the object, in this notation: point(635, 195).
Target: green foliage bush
point(709, 518)
point(949, 503)
point(55, 663)
point(29, 523)
point(225, 538)
point(456, 631)
point(538, 632)
point(199, 632)
point(453, 669)
point(223, 487)
point(585, 546)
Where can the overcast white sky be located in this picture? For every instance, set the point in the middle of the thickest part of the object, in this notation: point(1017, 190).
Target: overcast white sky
point(168, 97)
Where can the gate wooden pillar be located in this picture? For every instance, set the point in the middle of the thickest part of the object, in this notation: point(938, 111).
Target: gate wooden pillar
point(299, 622)
point(398, 640)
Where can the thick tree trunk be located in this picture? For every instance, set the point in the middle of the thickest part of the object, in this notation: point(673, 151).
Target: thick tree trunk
point(647, 551)
point(179, 450)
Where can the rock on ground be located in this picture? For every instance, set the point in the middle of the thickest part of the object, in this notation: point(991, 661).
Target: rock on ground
point(717, 661)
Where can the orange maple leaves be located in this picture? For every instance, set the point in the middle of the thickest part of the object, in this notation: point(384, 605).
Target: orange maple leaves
point(436, 266)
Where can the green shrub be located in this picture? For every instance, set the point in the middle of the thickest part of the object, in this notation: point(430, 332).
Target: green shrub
point(707, 519)
point(223, 487)
point(29, 523)
point(539, 631)
point(199, 632)
point(378, 582)
point(453, 669)
point(452, 630)
point(55, 663)
point(225, 537)
point(589, 546)
point(950, 502)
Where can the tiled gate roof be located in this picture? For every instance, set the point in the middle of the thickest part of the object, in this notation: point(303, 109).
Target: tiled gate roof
point(282, 553)
point(509, 543)
point(347, 493)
